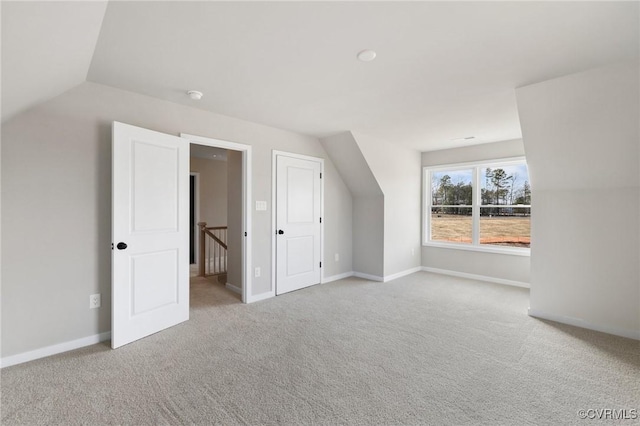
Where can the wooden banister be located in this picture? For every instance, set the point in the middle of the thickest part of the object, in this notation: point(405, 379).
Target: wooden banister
point(218, 240)
point(218, 237)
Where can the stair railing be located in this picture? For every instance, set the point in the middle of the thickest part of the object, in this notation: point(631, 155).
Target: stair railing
point(213, 250)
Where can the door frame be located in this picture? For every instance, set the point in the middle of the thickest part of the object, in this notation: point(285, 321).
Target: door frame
point(247, 288)
point(274, 169)
point(196, 206)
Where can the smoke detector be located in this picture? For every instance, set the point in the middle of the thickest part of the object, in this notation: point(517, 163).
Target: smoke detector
point(195, 95)
point(367, 55)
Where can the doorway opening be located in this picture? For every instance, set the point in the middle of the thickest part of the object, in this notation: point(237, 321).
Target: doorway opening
point(193, 216)
point(220, 217)
point(215, 222)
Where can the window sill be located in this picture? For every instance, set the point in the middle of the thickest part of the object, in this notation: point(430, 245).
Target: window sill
point(513, 251)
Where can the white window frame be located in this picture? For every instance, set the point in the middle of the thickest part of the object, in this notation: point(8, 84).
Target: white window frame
point(475, 245)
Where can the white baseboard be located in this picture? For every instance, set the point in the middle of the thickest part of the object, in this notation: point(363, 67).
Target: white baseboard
point(388, 277)
point(402, 274)
point(233, 288)
point(54, 349)
point(251, 299)
point(368, 277)
point(475, 277)
point(337, 277)
point(577, 322)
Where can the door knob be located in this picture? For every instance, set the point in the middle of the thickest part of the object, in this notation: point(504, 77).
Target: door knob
point(121, 246)
point(280, 232)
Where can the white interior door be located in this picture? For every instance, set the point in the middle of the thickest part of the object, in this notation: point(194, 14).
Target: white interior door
point(150, 257)
point(298, 223)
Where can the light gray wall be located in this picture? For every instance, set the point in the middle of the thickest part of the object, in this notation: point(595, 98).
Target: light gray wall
point(496, 266)
point(368, 223)
point(582, 141)
point(492, 265)
point(212, 191)
point(385, 182)
point(368, 235)
point(338, 237)
point(234, 218)
point(56, 209)
point(397, 171)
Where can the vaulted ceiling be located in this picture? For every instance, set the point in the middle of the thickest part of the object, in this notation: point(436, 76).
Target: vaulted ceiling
point(444, 70)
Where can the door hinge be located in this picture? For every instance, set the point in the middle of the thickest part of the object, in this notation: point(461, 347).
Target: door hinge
point(320, 175)
point(245, 234)
point(321, 264)
point(320, 220)
point(111, 246)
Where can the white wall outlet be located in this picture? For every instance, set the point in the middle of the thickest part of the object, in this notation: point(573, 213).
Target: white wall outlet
point(257, 272)
point(94, 301)
point(413, 252)
point(337, 257)
point(261, 205)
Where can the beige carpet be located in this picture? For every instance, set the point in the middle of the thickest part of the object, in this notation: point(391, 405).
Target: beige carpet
point(423, 349)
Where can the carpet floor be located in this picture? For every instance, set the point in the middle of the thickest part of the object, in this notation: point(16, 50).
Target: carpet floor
point(422, 349)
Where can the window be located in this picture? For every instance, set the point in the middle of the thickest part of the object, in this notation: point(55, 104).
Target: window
point(452, 205)
point(481, 206)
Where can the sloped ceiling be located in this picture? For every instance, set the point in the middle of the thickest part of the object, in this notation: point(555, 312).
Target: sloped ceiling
point(351, 164)
point(445, 70)
point(47, 49)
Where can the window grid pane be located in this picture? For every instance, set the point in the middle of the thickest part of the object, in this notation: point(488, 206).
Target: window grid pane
point(505, 226)
point(451, 188)
point(505, 185)
point(451, 224)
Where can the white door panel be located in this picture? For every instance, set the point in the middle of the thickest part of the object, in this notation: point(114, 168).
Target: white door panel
point(154, 195)
point(300, 255)
point(299, 198)
point(150, 277)
point(298, 210)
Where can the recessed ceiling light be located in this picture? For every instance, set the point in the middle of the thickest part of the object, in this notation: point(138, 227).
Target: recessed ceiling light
point(195, 95)
point(367, 55)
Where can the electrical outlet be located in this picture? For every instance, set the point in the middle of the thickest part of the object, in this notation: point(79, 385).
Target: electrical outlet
point(337, 257)
point(257, 272)
point(413, 252)
point(94, 301)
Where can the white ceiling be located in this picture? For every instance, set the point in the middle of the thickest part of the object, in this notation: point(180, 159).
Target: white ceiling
point(46, 50)
point(443, 71)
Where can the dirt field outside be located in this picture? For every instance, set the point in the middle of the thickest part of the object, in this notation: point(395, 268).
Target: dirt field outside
point(513, 231)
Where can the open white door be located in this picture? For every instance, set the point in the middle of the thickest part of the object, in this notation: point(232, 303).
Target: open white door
point(150, 257)
point(298, 223)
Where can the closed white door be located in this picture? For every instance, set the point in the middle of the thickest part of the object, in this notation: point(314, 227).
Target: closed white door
point(150, 256)
point(298, 223)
